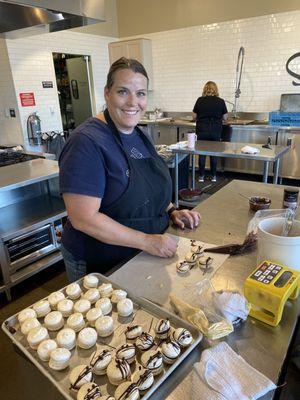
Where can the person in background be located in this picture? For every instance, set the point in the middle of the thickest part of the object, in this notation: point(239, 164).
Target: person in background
point(116, 188)
point(209, 112)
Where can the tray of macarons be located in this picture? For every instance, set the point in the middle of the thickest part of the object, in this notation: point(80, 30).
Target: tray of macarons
point(94, 340)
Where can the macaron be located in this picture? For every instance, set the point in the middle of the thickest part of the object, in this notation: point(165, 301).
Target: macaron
point(105, 305)
point(66, 338)
point(92, 295)
point(36, 336)
point(104, 326)
point(29, 324)
point(197, 248)
point(76, 322)
point(182, 336)
point(82, 306)
point(99, 361)
point(80, 375)
point(170, 351)
point(118, 295)
point(65, 307)
point(42, 308)
point(144, 342)
point(118, 371)
point(143, 378)
point(59, 359)
point(125, 307)
point(153, 361)
point(191, 258)
point(162, 329)
point(92, 315)
point(183, 267)
point(133, 331)
point(25, 314)
point(44, 349)
point(87, 338)
point(90, 281)
point(54, 321)
point(54, 298)
point(89, 391)
point(126, 352)
point(127, 391)
point(105, 289)
point(73, 291)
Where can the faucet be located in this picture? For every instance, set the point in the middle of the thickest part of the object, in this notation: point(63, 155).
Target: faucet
point(239, 70)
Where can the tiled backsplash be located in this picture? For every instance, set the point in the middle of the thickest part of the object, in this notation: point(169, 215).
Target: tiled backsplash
point(184, 59)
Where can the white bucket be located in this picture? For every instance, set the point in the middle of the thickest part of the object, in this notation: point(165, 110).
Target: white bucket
point(274, 247)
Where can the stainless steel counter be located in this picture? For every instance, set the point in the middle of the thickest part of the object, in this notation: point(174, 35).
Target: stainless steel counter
point(26, 173)
point(225, 217)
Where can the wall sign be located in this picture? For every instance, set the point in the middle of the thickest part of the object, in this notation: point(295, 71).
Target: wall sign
point(289, 71)
point(47, 84)
point(27, 99)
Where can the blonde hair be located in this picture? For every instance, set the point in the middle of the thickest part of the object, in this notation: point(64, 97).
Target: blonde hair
point(210, 89)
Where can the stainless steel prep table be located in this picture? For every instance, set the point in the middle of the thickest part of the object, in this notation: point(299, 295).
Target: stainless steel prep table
point(225, 216)
point(231, 150)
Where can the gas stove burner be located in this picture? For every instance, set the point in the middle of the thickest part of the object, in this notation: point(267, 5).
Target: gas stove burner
point(8, 158)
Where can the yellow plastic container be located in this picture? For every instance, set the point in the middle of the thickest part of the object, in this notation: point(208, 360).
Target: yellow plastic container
point(267, 289)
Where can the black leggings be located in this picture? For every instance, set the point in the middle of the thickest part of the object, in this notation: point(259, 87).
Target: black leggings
point(214, 136)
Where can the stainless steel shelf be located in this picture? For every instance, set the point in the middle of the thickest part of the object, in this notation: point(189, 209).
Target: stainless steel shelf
point(35, 267)
point(17, 218)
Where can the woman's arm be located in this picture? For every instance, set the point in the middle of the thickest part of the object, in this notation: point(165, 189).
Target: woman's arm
point(85, 217)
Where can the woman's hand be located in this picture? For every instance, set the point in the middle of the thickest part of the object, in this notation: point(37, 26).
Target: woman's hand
point(160, 245)
point(185, 218)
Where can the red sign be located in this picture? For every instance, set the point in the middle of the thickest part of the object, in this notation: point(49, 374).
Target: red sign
point(27, 99)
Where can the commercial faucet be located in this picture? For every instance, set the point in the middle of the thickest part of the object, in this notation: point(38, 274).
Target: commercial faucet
point(239, 70)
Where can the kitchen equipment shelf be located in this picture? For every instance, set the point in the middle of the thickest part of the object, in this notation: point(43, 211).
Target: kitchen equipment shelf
point(19, 216)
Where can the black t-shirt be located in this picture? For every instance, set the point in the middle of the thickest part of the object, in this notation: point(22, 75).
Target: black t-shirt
point(210, 108)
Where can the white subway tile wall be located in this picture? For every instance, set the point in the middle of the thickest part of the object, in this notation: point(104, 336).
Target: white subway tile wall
point(10, 129)
point(184, 59)
point(31, 63)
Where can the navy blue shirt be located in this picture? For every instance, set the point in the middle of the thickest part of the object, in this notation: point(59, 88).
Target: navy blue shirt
point(93, 164)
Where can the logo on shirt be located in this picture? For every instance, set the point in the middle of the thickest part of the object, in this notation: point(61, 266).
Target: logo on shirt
point(135, 153)
point(127, 173)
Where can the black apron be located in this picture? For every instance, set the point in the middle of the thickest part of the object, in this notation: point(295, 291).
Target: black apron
point(209, 128)
point(142, 206)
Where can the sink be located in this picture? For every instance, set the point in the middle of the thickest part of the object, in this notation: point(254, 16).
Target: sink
point(238, 121)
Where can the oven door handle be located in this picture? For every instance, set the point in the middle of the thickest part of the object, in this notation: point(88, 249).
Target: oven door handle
point(30, 233)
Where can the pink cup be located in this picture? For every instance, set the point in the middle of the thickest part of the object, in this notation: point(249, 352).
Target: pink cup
point(192, 137)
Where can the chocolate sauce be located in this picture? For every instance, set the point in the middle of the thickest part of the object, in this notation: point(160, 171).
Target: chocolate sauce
point(100, 357)
point(123, 367)
point(132, 388)
point(163, 326)
point(185, 334)
point(93, 393)
point(82, 374)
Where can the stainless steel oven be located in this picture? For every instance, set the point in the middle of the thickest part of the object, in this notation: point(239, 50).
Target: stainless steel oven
point(29, 247)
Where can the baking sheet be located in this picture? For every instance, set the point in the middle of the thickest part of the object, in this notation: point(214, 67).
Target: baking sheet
point(145, 314)
point(158, 276)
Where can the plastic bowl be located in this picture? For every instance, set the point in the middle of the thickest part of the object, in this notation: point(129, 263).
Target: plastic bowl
point(257, 203)
point(190, 194)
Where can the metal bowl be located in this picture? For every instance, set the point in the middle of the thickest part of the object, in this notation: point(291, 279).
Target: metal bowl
point(190, 194)
point(257, 203)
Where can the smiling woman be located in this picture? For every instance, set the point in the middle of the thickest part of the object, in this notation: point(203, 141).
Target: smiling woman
point(116, 188)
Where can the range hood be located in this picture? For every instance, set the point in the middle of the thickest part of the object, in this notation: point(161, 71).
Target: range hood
point(19, 18)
